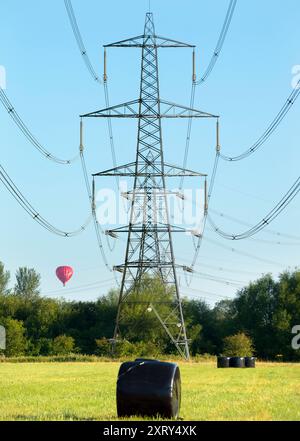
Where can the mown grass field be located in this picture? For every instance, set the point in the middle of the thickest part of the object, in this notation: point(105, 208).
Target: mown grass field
point(86, 391)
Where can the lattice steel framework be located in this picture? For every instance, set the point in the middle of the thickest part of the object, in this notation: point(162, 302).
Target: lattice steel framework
point(149, 244)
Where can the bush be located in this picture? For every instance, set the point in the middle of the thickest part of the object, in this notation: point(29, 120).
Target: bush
point(16, 343)
point(147, 349)
point(63, 345)
point(238, 345)
point(103, 347)
point(125, 349)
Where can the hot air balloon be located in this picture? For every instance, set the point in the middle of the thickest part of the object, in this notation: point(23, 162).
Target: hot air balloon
point(64, 273)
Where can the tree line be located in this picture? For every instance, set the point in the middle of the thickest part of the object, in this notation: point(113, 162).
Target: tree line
point(265, 312)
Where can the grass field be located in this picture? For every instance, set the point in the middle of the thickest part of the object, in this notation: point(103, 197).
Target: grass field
point(86, 391)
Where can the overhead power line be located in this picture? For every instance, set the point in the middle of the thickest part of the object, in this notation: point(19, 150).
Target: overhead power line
point(98, 229)
point(220, 42)
point(203, 294)
point(26, 205)
point(189, 132)
point(97, 226)
point(266, 230)
point(28, 134)
point(92, 71)
point(209, 69)
point(79, 288)
point(270, 217)
point(217, 279)
point(271, 128)
point(243, 253)
point(81, 46)
point(210, 191)
point(220, 268)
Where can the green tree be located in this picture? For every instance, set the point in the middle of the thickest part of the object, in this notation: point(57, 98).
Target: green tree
point(63, 345)
point(27, 283)
point(202, 327)
point(253, 311)
point(238, 345)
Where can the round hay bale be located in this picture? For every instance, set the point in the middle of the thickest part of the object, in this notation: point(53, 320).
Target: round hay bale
point(250, 362)
point(223, 362)
point(149, 388)
point(237, 362)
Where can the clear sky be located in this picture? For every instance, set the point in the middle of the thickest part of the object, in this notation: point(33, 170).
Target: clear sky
point(49, 85)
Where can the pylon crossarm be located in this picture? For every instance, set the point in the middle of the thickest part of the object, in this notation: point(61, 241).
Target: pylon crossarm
point(122, 170)
point(133, 109)
point(129, 42)
point(150, 41)
point(180, 111)
point(145, 264)
point(175, 170)
point(141, 229)
point(168, 42)
point(129, 170)
point(175, 227)
point(120, 110)
point(158, 191)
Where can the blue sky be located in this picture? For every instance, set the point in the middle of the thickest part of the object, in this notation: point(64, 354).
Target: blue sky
point(50, 86)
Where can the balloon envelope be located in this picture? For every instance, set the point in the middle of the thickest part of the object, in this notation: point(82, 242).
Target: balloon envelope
point(64, 273)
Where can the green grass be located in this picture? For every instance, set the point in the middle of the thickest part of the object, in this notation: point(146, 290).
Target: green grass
point(86, 391)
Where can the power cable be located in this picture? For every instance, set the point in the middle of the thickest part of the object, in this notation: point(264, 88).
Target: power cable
point(81, 46)
point(83, 287)
point(189, 131)
point(213, 278)
point(266, 230)
point(92, 71)
point(28, 134)
point(26, 205)
point(271, 128)
point(220, 42)
point(210, 191)
point(270, 217)
point(97, 226)
point(86, 58)
point(208, 293)
point(223, 269)
point(243, 253)
point(207, 72)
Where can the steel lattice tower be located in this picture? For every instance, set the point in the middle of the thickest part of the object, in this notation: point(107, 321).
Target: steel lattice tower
point(149, 244)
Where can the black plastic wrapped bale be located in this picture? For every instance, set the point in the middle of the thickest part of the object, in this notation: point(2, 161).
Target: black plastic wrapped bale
point(223, 362)
point(237, 362)
point(148, 388)
point(250, 362)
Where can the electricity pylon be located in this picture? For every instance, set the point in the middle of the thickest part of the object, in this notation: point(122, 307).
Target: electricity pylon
point(149, 244)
